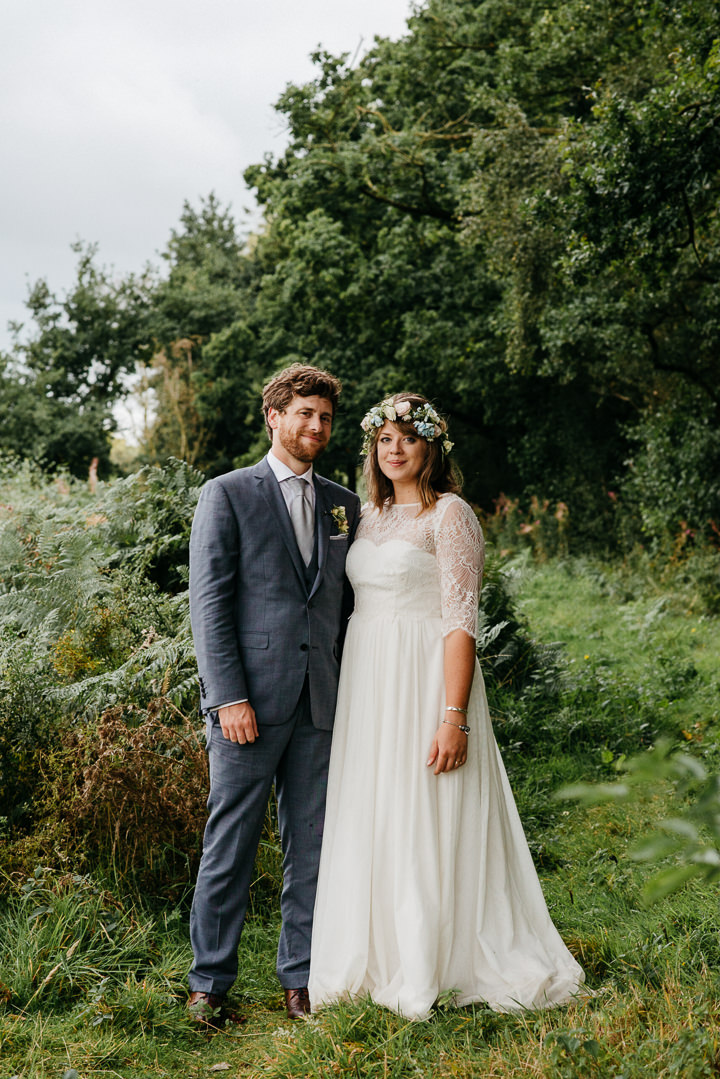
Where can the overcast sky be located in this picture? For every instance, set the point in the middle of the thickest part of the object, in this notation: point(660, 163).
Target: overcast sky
point(113, 112)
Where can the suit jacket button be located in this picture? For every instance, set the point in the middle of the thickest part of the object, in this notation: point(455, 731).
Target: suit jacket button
point(303, 648)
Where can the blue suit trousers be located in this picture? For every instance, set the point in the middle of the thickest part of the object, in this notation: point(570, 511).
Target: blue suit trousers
point(295, 755)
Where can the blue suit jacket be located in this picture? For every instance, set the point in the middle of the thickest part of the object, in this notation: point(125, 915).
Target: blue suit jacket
point(257, 627)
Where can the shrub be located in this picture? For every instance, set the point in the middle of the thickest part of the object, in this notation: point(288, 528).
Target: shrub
point(673, 481)
point(511, 659)
point(26, 725)
point(130, 794)
point(84, 623)
point(543, 527)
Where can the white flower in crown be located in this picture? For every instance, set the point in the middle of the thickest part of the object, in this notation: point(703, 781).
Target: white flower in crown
point(374, 418)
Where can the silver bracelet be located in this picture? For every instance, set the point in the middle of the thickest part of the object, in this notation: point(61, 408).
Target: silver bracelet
point(452, 708)
point(460, 726)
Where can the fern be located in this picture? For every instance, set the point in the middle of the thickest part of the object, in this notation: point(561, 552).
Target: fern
point(97, 585)
point(511, 659)
point(164, 667)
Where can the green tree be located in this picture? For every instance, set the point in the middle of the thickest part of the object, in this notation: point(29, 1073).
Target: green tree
point(58, 384)
point(513, 209)
point(199, 415)
point(391, 249)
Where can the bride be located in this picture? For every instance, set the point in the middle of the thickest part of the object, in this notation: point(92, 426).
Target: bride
point(426, 883)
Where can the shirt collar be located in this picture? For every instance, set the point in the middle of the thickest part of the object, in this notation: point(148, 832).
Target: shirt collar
point(284, 472)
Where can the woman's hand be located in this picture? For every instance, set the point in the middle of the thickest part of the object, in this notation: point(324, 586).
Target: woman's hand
point(449, 749)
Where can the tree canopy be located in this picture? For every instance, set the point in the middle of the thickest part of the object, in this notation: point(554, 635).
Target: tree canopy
point(512, 209)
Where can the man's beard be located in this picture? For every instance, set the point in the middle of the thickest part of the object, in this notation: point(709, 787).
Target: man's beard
point(299, 450)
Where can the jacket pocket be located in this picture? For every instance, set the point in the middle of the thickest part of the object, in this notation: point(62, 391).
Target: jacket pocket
point(253, 640)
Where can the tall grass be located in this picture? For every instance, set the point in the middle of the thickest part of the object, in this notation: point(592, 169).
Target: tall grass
point(68, 942)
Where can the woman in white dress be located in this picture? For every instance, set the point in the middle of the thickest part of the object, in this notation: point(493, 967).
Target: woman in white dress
point(426, 884)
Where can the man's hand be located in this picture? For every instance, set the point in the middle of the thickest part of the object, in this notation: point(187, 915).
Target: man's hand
point(238, 722)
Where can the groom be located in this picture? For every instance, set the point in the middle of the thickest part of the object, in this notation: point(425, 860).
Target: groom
point(269, 602)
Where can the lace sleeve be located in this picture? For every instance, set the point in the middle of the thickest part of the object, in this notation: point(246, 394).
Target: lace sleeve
point(460, 550)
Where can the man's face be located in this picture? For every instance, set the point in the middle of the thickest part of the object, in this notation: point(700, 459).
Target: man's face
point(302, 431)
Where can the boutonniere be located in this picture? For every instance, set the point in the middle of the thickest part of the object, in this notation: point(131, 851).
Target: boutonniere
point(339, 516)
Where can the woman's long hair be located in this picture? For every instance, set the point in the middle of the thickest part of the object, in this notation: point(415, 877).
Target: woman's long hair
point(438, 476)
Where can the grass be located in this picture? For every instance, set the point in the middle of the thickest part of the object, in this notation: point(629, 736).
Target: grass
point(638, 662)
point(607, 617)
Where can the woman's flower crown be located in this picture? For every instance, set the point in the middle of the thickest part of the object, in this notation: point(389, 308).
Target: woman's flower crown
point(423, 417)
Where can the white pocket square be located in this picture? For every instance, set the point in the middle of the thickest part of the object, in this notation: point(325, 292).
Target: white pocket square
point(339, 536)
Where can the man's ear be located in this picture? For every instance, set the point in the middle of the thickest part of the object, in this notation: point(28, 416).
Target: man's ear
point(272, 418)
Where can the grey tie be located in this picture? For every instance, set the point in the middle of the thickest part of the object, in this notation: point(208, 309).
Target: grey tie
point(301, 515)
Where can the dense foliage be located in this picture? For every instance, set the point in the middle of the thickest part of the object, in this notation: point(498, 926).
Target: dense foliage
point(97, 669)
point(101, 748)
point(513, 209)
point(102, 761)
point(93, 977)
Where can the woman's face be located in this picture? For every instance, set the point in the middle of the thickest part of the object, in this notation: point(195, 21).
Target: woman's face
point(400, 457)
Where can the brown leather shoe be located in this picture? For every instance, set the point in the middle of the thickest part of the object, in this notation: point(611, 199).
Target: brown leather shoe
point(206, 1009)
point(297, 1002)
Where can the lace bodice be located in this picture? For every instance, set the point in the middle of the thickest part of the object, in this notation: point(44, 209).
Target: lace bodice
point(439, 576)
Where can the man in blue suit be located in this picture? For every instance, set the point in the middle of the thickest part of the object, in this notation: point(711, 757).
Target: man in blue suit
point(269, 601)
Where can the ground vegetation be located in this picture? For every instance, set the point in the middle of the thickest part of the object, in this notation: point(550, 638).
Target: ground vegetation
point(603, 690)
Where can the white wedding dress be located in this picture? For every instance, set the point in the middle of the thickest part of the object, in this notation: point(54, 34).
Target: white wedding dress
point(426, 883)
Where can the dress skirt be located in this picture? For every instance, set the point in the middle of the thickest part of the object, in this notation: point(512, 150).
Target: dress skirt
point(426, 884)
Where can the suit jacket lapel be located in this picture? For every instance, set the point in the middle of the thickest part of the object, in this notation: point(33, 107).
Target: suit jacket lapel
point(323, 524)
point(270, 490)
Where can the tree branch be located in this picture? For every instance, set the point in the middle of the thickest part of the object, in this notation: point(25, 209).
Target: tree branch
point(430, 209)
point(691, 225)
point(678, 369)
